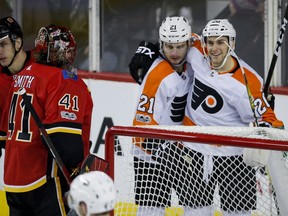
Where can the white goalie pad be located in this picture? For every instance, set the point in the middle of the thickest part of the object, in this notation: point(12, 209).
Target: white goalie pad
point(256, 157)
point(278, 172)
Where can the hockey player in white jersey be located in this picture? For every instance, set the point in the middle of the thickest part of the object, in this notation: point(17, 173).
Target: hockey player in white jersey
point(92, 194)
point(220, 97)
point(161, 101)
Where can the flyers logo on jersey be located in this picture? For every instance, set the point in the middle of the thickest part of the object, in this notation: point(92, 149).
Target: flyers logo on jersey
point(206, 97)
point(178, 108)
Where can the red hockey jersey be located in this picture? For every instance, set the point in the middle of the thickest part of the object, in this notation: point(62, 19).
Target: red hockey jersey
point(6, 78)
point(64, 105)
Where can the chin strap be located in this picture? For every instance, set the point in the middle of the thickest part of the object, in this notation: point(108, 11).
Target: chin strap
point(16, 52)
point(225, 59)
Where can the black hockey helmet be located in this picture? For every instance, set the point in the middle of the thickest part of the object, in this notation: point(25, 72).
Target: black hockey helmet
point(10, 27)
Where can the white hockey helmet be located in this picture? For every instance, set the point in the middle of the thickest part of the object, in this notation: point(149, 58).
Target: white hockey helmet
point(219, 27)
point(96, 189)
point(174, 30)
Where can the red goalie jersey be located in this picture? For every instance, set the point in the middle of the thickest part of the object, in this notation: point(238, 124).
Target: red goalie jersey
point(64, 105)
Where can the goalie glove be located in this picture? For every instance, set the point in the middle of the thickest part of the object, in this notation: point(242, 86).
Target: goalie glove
point(140, 63)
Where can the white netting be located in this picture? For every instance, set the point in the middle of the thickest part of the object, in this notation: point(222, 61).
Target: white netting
point(251, 132)
point(181, 181)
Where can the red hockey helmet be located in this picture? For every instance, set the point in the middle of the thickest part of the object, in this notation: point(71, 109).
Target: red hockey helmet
point(56, 46)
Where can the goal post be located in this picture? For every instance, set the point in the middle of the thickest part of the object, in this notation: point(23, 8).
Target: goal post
point(270, 185)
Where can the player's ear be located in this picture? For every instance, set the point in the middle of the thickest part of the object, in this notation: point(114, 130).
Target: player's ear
point(82, 208)
point(18, 44)
point(232, 43)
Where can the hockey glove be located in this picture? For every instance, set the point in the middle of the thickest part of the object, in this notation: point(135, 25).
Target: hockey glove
point(271, 100)
point(144, 56)
point(158, 153)
point(166, 152)
point(264, 124)
point(276, 124)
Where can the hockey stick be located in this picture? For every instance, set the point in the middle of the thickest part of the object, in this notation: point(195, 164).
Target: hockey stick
point(250, 96)
point(276, 52)
point(45, 136)
point(251, 99)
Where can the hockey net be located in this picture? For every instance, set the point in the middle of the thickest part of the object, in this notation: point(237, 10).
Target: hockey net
point(192, 164)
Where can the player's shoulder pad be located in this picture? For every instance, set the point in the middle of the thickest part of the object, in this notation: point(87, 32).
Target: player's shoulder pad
point(195, 37)
point(161, 68)
point(196, 42)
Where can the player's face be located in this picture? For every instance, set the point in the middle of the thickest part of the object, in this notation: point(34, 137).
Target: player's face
point(217, 50)
point(175, 52)
point(52, 54)
point(69, 55)
point(6, 51)
point(60, 57)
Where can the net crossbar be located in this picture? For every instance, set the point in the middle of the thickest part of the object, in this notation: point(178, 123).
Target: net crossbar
point(198, 170)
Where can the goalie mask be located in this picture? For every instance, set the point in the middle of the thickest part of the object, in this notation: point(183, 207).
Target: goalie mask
point(56, 46)
point(96, 189)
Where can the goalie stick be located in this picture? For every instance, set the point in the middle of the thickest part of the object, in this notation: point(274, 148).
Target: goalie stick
point(276, 52)
point(46, 137)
